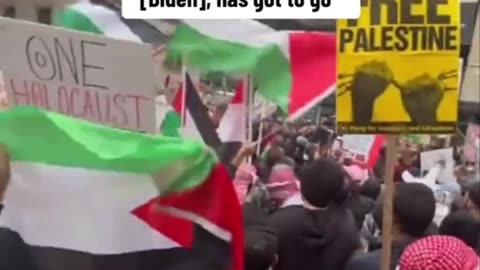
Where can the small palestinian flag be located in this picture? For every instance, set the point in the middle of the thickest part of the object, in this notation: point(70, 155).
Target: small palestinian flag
point(88, 197)
point(232, 128)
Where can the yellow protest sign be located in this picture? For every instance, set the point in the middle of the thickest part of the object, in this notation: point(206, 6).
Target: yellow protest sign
point(398, 67)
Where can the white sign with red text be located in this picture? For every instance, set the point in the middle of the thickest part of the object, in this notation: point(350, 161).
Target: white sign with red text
point(77, 74)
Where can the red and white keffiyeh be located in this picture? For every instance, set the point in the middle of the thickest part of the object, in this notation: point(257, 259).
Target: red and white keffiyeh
point(439, 253)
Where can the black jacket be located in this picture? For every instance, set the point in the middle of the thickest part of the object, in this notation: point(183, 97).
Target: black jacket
point(14, 253)
point(371, 260)
point(314, 239)
point(360, 206)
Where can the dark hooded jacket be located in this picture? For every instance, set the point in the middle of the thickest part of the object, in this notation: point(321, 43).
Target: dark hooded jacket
point(315, 239)
point(14, 252)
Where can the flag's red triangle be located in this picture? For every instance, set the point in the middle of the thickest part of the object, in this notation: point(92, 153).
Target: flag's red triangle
point(238, 97)
point(222, 209)
point(313, 67)
point(178, 104)
point(178, 229)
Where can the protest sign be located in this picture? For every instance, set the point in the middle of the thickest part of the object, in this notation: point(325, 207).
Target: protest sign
point(365, 149)
point(81, 75)
point(398, 68)
point(428, 159)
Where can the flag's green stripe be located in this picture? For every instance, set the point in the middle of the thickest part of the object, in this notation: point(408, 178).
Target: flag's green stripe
point(72, 19)
point(171, 124)
point(34, 135)
point(268, 66)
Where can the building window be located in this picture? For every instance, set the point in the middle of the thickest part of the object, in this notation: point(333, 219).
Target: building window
point(44, 15)
point(9, 12)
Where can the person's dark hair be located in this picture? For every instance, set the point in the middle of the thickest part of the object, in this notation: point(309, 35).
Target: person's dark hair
point(464, 226)
point(413, 207)
point(322, 182)
point(321, 135)
point(260, 248)
point(371, 188)
point(273, 156)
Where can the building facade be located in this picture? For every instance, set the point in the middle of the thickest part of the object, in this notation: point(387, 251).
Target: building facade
point(31, 10)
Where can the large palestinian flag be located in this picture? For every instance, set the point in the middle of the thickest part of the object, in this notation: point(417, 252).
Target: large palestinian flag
point(294, 70)
point(87, 197)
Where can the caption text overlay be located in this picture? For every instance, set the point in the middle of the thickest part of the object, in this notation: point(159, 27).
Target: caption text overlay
point(241, 9)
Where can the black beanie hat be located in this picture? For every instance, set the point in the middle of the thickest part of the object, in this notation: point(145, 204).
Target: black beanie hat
point(322, 181)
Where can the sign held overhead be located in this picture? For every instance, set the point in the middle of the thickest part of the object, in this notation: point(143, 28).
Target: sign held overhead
point(77, 74)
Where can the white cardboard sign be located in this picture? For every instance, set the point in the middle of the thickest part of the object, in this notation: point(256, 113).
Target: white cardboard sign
point(358, 144)
point(85, 76)
point(428, 159)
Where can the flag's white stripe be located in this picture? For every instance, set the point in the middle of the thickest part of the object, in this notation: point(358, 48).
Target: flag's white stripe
point(278, 184)
point(246, 32)
point(232, 127)
point(189, 129)
point(207, 225)
point(107, 21)
point(80, 209)
point(161, 110)
point(300, 112)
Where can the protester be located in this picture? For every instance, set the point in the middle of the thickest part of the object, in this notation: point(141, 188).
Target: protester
point(413, 212)
point(462, 225)
point(282, 183)
point(270, 158)
point(405, 163)
point(260, 239)
point(371, 188)
point(359, 204)
point(473, 199)
point(320, 234)
point(439, 253)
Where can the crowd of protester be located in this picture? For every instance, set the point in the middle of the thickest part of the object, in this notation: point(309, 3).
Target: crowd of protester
point(308, 206)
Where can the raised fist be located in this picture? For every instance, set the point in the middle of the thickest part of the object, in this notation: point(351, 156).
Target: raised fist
point(370, 80)
point(421, 97)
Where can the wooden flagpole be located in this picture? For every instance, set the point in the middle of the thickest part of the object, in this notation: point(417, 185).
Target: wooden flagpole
point(389, 191)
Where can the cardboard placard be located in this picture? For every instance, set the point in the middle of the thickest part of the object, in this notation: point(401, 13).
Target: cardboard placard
point(428, 159)
point(82, 75)
point(386, 81)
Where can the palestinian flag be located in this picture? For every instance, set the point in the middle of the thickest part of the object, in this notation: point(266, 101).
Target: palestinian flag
point(87, 197)
point(105, 19)
point(232, 128)
point(294, 70)
point(189, 118)
point(172, 121)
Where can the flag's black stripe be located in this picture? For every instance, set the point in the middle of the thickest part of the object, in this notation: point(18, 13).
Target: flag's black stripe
point(145, 31)
point(207, 253)
point(199, 113)
point(228, 150)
